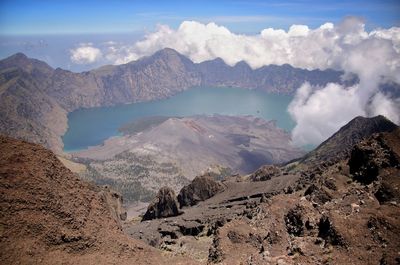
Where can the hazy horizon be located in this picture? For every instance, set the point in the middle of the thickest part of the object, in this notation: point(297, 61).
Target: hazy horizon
point(356, 37)
point(52, 30)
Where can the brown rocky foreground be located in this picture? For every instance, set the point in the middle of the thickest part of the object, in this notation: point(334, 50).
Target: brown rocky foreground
point(322, 211)
point(49, 216)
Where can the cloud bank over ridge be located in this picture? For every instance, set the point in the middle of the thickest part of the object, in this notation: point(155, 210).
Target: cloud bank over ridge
point(85, 53)
point(318, 112)
point(323, 47)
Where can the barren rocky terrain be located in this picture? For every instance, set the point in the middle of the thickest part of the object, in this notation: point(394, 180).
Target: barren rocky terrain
point(343, 211)
point(326, 211)
point(50, 216)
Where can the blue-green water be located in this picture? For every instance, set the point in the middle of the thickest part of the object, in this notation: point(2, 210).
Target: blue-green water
point(89, 127)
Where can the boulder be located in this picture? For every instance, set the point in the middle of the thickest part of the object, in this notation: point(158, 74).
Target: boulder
point(369, 157)
point(293, 221)
point(388, 190)
point(114, 203)
point(317, 195)
point(265, 173)
point(328, 232)
point(201, 188)
point(164, 205)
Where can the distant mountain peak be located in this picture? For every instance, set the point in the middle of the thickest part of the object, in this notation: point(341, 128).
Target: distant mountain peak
point(27, 64)
point(167, 55)
point(167, 52)
point(340, 143)
point(218, 60)
point(16, 58)
point(242, 62)
point(18, 55)
point(376, 119)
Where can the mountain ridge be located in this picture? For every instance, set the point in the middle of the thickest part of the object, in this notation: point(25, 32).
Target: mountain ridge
point(341, 142)
point(158, 76)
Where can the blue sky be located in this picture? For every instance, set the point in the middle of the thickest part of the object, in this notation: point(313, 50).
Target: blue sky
point(242, 16)
point(49, 30)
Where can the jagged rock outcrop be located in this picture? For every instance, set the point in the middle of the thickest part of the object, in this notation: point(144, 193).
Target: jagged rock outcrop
point(114, 201)
point(329, 233)
point(369, 157)
point(163, 205)
point(373, 160)
point(50, 216)
point(317, 195)
point(388, 191)
point(293, 221)
point(201, 188)
point(265, 173)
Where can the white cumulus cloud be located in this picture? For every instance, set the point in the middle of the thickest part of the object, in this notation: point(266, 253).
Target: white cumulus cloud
point(375, 58)
point(85, 54)
point(324, 47)
point(382, 105)
point(318, 112)
point(300, 46)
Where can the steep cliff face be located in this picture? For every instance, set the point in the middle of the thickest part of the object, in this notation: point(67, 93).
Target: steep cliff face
point(163, 74)
point(27, 112)
point(75, 90)
point(36, 98)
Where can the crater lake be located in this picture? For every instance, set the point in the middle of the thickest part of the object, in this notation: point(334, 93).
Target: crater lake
point(91, 126)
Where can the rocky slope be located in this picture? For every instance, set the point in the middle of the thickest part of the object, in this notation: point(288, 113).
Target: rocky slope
point(343, 212)
point(339, 144)
point(36, 98)
point(173, 151)
point(49, 216)
point(27, 112)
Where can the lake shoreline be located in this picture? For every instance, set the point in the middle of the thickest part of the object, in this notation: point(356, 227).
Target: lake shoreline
point(92, 126)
